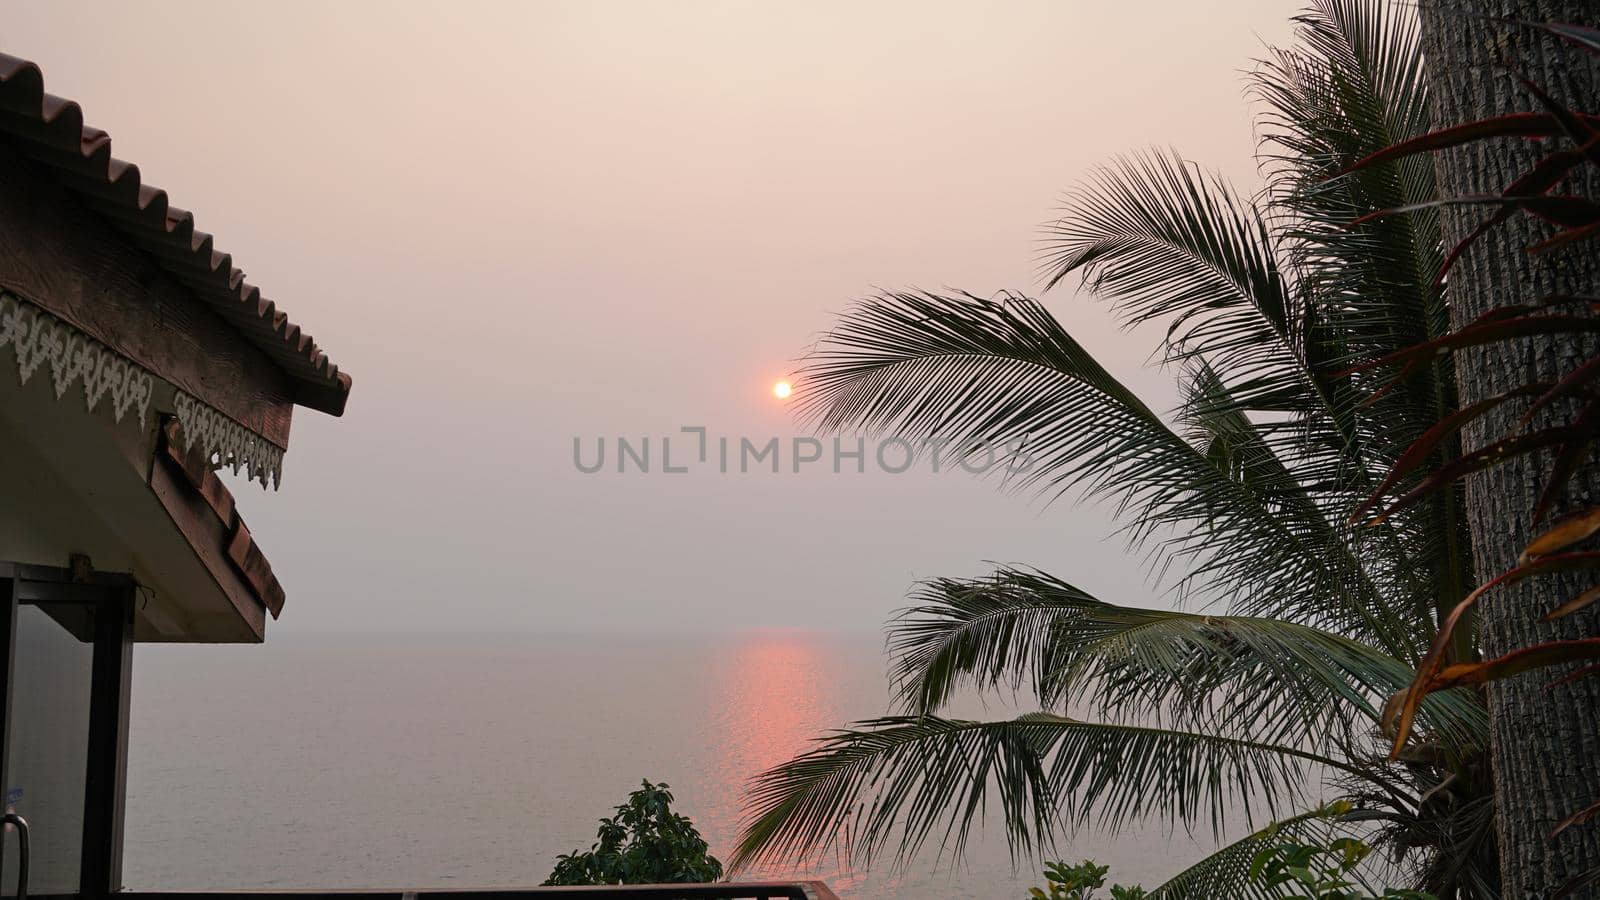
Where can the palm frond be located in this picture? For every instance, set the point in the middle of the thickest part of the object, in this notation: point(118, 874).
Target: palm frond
point(1265, 679)
point(1314, 496)
point(1352, 85)
point(914, 776)
point(984, 633)
point(963, 370)
point(1164, 243)
point(1226, 873)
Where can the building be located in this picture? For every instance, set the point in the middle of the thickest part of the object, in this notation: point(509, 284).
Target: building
point(135, 361)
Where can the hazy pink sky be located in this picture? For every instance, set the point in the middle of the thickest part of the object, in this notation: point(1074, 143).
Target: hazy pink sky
point(519, 223)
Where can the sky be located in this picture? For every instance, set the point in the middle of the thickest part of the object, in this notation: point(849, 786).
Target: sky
point(518, 225)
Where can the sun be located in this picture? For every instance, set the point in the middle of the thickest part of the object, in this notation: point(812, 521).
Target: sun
point(782, 390)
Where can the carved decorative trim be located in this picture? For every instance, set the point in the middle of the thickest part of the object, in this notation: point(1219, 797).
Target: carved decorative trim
point(226, 442)
point(37, 338)
point(40, 340)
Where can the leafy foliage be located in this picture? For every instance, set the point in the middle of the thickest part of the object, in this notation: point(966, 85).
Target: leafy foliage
point(644, 843)
point(1317, 872)
point(1227, 872)
point(1279, 866)
point(1064, 882)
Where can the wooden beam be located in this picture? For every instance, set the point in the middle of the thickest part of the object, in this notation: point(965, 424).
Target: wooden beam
point(208, 537)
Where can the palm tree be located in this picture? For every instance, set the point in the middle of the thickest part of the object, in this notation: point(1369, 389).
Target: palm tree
point(1244, 492)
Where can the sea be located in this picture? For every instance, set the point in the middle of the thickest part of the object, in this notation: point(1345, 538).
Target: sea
point(384, 761)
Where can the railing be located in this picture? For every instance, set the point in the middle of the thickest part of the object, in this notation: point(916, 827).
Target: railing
point(727, 890)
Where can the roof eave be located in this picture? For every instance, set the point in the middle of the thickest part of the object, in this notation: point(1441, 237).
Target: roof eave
point(50, 130)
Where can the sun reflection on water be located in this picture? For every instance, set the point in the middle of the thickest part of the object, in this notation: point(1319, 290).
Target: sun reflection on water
point(780, 689)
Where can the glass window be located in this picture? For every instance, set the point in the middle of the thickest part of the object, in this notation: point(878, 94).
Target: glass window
point(47, 753)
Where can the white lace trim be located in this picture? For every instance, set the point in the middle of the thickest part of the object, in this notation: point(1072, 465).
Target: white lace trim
point(226, 442)
point(38, 339)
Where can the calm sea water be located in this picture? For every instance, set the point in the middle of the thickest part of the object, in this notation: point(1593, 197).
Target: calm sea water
point(383, 762)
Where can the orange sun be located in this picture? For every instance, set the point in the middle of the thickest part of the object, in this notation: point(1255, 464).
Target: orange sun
point(782, 390)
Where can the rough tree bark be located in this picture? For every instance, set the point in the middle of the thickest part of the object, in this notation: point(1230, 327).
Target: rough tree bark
point(1545, 744)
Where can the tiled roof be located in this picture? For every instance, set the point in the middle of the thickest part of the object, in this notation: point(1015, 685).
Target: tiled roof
point(50, 130)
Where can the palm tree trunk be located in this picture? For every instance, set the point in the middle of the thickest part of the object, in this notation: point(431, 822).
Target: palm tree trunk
point(1545, 744)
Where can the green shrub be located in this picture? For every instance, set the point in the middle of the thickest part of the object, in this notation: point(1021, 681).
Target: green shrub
point(644, 843)
point(1064, 882)
point(1313, 872)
